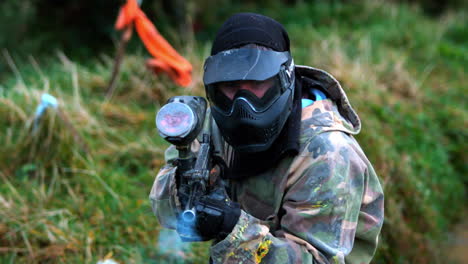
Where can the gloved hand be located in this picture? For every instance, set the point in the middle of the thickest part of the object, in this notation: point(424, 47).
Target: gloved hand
point(216, 216)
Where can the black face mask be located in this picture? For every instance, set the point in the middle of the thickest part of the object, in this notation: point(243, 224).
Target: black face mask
point(246, 164)
point(250, 131)
point(249, 123)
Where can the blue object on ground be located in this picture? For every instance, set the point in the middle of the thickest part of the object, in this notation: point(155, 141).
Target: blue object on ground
point(47, 101)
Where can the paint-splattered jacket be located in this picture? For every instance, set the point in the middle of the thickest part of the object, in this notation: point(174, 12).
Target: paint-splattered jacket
point(325, 205)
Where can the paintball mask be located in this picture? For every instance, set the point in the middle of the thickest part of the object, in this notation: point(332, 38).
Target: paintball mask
point(247, 122)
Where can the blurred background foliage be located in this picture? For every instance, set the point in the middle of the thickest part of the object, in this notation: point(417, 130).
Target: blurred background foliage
point(74, 189)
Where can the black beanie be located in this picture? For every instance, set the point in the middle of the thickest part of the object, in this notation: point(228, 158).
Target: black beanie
point(250, 28)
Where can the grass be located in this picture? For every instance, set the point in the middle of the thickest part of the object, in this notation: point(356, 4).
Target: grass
point(75, 190)
point(75, 193)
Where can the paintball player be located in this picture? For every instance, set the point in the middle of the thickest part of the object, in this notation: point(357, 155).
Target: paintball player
point(299, 188)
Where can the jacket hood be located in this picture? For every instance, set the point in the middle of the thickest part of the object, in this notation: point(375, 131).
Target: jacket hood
point(334, 113)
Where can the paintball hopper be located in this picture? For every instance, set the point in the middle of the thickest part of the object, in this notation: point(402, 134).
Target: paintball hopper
point(181, 119)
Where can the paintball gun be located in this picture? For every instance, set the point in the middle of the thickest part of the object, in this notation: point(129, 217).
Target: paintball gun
point(180, 122)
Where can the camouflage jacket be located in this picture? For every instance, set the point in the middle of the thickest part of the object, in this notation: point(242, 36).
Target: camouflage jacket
point(324, 205)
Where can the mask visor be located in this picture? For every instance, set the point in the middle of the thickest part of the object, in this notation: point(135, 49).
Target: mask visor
point(243, 64)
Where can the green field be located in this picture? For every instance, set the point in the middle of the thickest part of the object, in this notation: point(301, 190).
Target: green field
point(74, 188)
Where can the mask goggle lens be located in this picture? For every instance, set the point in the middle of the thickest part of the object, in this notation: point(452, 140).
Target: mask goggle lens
point(224, 94)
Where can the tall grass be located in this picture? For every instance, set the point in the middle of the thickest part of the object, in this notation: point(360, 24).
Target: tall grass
point(74, 190)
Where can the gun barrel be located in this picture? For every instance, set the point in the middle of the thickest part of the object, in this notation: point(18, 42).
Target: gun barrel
point(189, 215)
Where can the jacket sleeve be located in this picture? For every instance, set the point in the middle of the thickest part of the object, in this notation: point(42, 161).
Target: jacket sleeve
point(163, 195)
point(321, 209)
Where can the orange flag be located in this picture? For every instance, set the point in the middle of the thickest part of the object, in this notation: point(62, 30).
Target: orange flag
point(166, 59)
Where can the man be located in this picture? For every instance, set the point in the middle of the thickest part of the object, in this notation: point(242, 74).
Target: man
point(300, 189)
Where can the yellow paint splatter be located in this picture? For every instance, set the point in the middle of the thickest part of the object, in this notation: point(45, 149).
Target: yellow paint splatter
point(262, 250)
point(318, 204)
point(242, 228)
